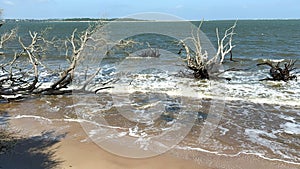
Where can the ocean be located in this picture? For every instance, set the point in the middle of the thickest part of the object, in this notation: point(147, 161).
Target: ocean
point(154, 108)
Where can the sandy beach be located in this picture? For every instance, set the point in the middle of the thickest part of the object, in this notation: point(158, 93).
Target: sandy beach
point(64, 145)
point(91, 156)
point(71, 148)
point(56, 139)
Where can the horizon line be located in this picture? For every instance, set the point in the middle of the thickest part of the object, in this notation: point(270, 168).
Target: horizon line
point(116, 18)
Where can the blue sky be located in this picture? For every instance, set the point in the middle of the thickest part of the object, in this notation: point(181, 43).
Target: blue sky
point(187, 9)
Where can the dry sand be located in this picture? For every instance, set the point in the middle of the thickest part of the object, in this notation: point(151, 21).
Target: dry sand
point(88, 155)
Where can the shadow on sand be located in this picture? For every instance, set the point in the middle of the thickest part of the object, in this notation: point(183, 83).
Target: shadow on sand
point(36, 152)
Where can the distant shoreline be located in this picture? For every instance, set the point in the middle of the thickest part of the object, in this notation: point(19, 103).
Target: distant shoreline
point(133, 20)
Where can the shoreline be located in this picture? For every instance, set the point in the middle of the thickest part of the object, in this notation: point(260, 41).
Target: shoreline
point(47, 121)
point(71, 148)
point(91, 156)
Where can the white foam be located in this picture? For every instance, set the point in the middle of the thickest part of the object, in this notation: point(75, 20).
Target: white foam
point(223, 130)
point(67, 120)
point(253, 134)
point(235, 155)
point(11, 96)
point(93, 132)
point(240, 88)
point(266, 139)
point(291, 128)
point(133, 132)
point(34, 117)
point(288, 118)
point(143, 142)
point(273, 60)
point(122, 134)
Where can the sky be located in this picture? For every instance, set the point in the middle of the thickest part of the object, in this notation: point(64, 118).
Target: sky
point(186, 9)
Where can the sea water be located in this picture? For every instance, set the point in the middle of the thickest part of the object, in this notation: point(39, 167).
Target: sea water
point(260, 118)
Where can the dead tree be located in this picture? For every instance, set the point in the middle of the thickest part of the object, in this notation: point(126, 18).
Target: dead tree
point(20, 77)
point(279, 73)
point(74, 47)
point(225, 44)
point(198, 60)
point(150, 52)
point(8, 36)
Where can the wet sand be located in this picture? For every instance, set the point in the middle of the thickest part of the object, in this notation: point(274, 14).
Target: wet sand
point(53, 138)
point(65, 145)
point(69, 147)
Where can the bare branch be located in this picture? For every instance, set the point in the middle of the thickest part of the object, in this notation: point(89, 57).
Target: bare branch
point(7, 37)
point(225, 44)
point(77, 45)
point(90, 79)
point(30, 51)
point(20, 75)
point(198, 60)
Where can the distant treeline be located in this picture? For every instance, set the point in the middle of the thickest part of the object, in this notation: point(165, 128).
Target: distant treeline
point(74, 19)
point(88, 19)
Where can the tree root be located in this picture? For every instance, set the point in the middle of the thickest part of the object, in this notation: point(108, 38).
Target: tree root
point(278, 73)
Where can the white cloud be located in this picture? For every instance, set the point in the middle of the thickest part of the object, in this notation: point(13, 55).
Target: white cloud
point(7, 2)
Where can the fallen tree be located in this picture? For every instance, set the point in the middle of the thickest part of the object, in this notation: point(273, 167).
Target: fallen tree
point(20, 75)
point(198, 60)
point(279, 73)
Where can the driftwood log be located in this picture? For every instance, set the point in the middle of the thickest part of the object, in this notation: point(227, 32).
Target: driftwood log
point(279, 73)
point(150, 52)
